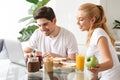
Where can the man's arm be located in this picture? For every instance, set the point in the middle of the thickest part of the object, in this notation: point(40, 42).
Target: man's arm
point(72, 56)
point(27, 50)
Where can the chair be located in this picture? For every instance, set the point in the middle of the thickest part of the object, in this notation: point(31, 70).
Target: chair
point(3, 51)
point(118, 56)
point(1, 44)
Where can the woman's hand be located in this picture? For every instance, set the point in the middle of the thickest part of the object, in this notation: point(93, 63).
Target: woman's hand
point(94, 72)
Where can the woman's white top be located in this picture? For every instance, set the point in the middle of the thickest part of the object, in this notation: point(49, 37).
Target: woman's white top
point(114, 72)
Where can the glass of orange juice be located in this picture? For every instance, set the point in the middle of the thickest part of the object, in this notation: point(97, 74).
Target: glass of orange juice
point(80, 62)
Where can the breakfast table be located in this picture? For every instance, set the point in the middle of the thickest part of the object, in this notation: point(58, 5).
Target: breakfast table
point(12, 71)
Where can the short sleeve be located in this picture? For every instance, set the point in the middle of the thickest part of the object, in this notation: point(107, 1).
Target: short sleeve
point(96, 35)
point(34, 39)
point(72, 45)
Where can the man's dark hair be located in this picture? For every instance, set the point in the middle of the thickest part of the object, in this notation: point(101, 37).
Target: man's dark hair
point(44, 12)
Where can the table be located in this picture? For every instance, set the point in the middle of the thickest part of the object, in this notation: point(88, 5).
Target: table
point(11, 71)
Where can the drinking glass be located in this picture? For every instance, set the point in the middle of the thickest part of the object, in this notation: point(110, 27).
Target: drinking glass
point(80, 62)
point(80, 57)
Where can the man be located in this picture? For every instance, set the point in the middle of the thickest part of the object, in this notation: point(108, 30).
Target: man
point(51, 39)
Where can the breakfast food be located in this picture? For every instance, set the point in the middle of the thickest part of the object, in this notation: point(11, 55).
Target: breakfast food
point(59, 60)
point(63, 63)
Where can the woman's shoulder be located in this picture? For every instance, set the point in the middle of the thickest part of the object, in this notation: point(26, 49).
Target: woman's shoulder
point(99, 31)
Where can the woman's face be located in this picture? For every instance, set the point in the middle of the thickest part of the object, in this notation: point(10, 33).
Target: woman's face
point(83, 21)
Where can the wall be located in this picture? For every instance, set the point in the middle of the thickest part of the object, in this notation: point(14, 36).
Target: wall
point(10, 13)
point(66, 12)
point(66, 17)
point(13, 11)
point(112, 12)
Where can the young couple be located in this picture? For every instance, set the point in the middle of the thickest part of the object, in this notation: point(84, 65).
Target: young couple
point(53, 40)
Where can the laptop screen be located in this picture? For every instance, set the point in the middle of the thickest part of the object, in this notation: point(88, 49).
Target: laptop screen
point(15, 52)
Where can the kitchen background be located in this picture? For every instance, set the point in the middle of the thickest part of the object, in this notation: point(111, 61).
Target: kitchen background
point(13, 11)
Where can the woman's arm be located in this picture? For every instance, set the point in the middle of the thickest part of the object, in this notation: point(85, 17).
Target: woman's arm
point(105, 53)
point(106, 56)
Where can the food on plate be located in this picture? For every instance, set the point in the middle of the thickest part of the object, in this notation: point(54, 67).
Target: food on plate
point(63, 63)
point(58, 60)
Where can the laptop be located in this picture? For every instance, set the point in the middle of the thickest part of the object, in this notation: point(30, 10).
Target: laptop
point(15, 52)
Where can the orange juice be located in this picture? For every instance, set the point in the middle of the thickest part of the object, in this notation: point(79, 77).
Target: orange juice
point(80, 62)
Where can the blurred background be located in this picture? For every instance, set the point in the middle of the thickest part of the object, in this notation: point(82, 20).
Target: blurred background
point(13, 10)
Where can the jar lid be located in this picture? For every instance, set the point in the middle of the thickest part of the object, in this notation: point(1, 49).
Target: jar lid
point(33, 59)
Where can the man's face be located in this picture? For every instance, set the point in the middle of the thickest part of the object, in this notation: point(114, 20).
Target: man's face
point(46, 26)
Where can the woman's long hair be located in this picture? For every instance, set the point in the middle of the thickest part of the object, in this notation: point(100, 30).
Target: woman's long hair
point(96, 11)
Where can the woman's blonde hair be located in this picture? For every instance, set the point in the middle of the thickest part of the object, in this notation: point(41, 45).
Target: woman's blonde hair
point(93, 10)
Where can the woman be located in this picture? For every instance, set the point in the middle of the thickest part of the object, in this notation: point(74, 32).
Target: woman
point(100, 43)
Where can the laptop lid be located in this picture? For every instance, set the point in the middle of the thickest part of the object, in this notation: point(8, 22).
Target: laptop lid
point(15, 52)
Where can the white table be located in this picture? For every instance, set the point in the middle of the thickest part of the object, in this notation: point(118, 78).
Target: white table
point(11, 71)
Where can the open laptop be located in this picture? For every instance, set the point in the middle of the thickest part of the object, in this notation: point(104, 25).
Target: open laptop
point(15, 52)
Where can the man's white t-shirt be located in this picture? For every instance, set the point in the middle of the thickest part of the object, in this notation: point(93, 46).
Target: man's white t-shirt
point(63, 44)
point(110, 74)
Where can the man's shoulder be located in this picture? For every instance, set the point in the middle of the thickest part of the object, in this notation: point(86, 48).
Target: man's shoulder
point(37, 31)
point(66, 33)
point(66, 30)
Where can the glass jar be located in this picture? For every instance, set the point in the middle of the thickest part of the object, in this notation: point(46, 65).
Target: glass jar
point(39, 55)
point(33, 64)
point(48, 64)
